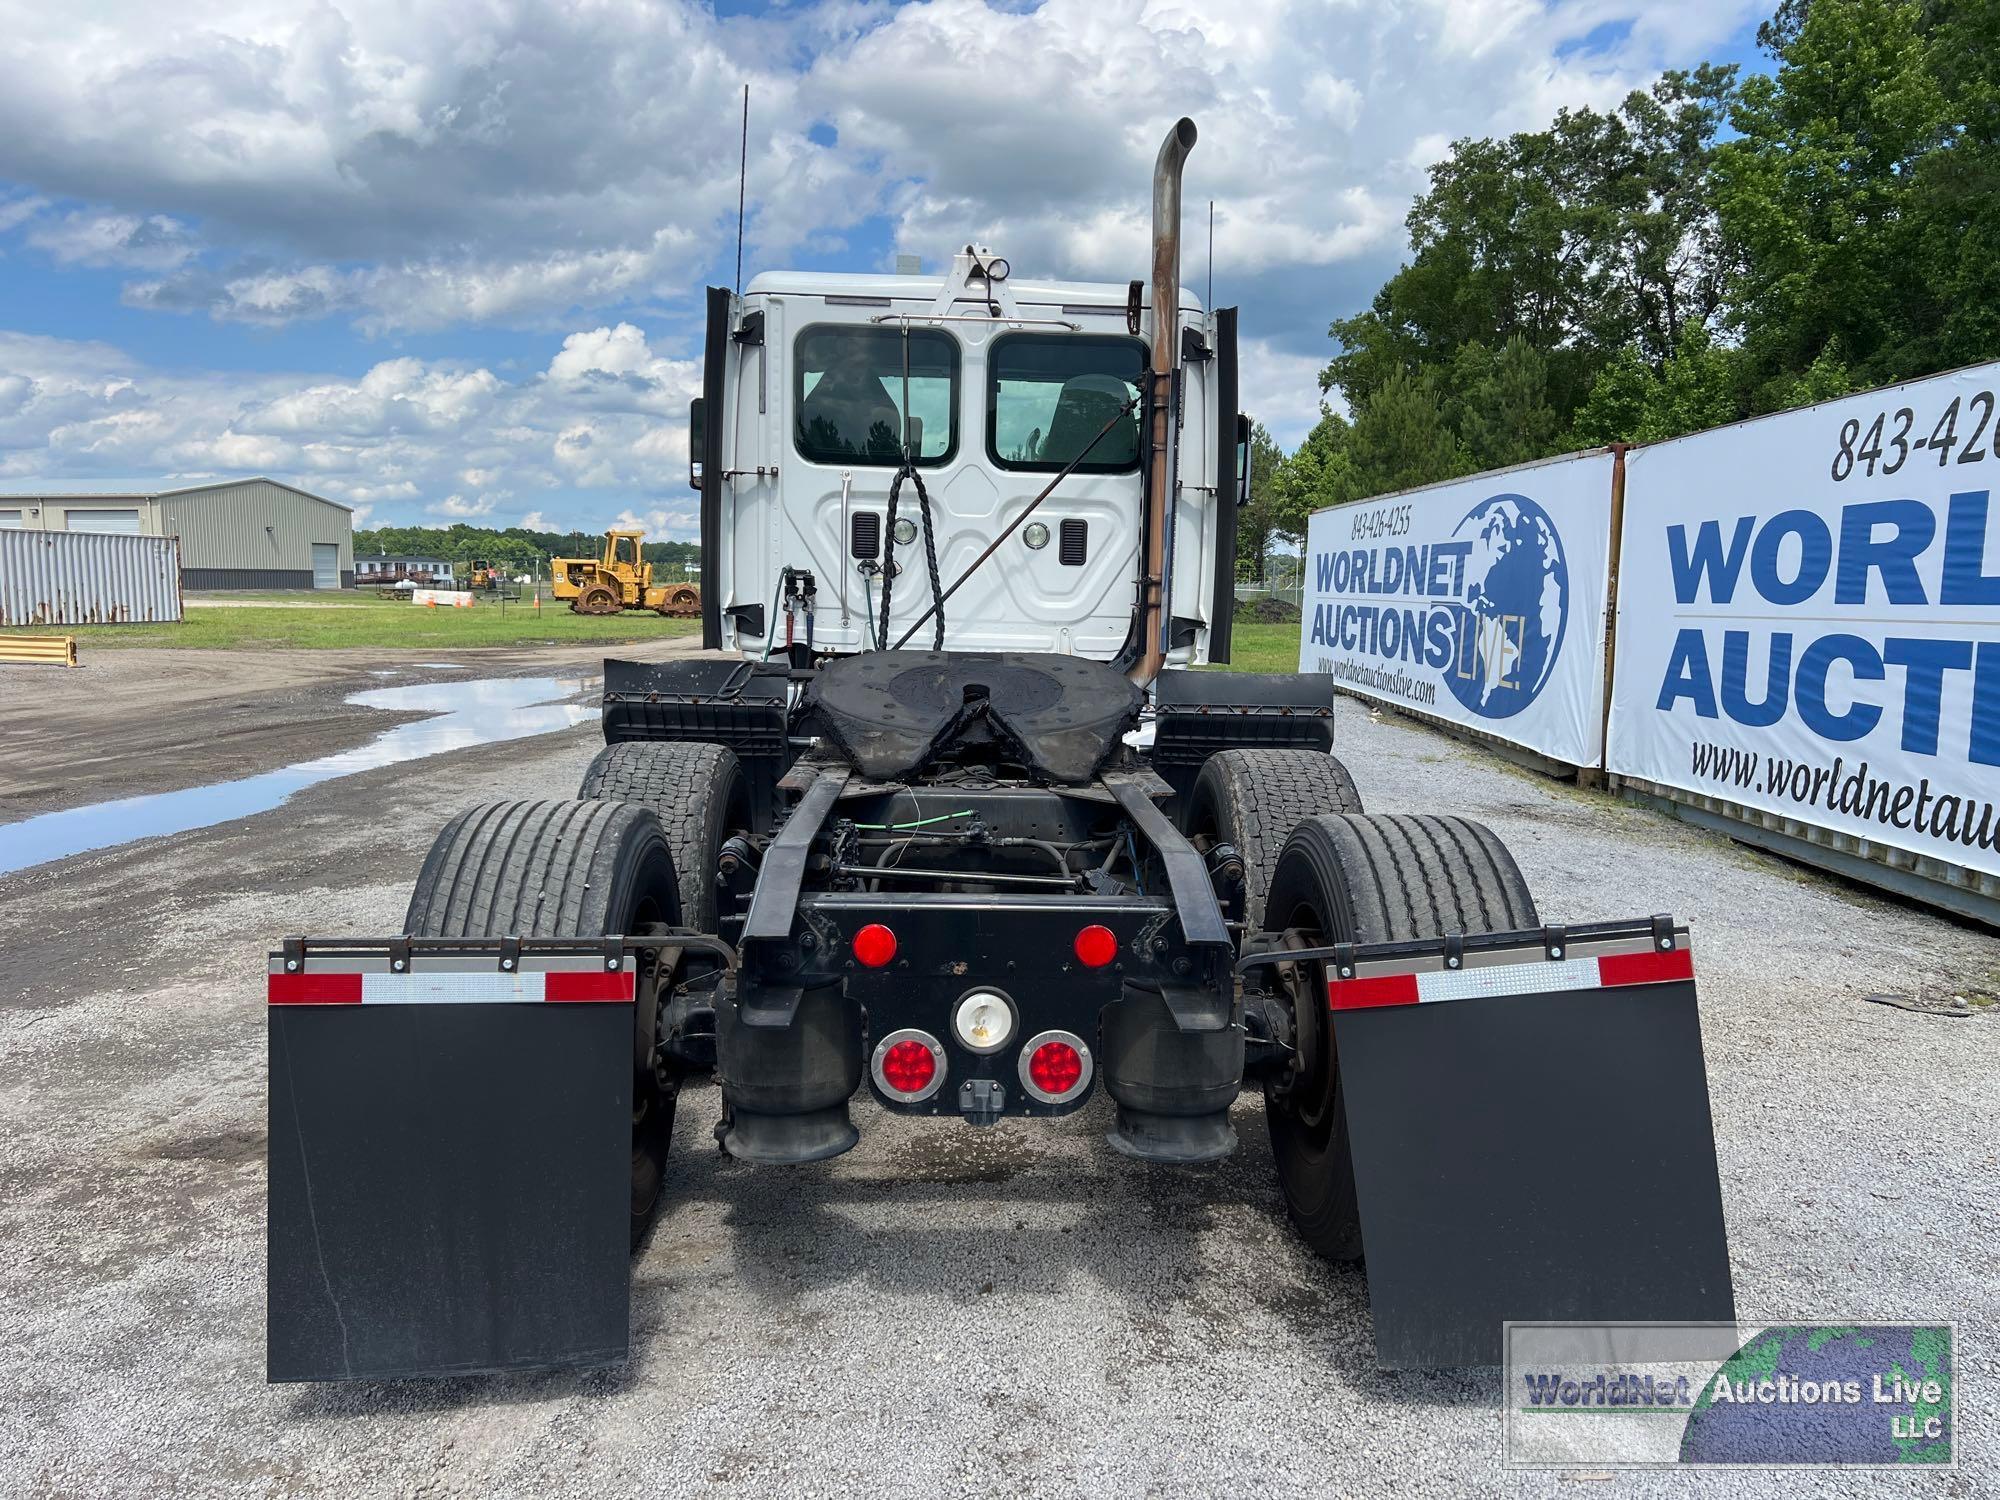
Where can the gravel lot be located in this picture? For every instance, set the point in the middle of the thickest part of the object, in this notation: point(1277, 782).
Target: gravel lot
point(1013, 1311)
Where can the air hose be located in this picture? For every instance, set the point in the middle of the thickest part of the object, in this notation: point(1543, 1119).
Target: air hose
point(909, 472)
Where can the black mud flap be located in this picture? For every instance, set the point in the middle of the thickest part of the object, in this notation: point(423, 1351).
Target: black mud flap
point(1536, 1146)
point(449, 1182)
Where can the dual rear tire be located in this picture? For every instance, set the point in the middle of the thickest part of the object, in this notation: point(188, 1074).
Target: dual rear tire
point(566, 869)
point(1252, 800)
point(1363, 879)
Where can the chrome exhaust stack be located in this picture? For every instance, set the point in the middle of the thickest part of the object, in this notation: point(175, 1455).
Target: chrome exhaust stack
point(1166, 361)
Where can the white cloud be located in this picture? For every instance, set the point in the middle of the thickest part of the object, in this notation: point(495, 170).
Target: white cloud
point(1280, 390)
point(151, 242)
point(662, 521)
point(419, 166)
point(534, 520)
point(566, 169)
point(407, 435)
point(17, 211)
point(529, 161)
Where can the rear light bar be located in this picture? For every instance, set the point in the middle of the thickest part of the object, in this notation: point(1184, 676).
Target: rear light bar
point(908, 1066)
point(1377, 975)
point(456, 971)
point(588, 986)
point(1055, 1066)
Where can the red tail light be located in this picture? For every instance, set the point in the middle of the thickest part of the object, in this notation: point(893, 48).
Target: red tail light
point(1055, 1066)
point(908, 1065)
point(1096, 946)
point(874, 945)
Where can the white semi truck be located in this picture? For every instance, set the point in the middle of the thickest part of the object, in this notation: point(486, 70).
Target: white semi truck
point(949, 816)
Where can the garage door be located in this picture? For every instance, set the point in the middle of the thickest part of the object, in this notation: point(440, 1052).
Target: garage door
point(326, 565)
point(124, 522)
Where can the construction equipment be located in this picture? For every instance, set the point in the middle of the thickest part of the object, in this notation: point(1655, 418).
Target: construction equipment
point(483, 578)
point(621, 579)
point(986, 881)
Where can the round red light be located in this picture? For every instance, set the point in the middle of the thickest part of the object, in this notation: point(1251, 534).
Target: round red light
point(1096, 946)
point(874, 945)
point(908, 1067)
point(1055, 1067)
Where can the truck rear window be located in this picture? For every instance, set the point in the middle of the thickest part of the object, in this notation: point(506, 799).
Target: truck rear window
point(1048, 395)
point(848, 393)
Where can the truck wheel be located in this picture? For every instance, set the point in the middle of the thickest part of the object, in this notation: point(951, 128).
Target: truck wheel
point(699, 794)
point(598, 599)
point(1376, 879)
point(1253, 799)
point(565, 869)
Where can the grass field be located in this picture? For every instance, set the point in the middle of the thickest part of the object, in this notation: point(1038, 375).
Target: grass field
point(291, 622)
point(1264, 648)
point(294, 622)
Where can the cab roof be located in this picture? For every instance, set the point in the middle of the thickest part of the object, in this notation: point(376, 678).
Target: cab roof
point(1105, 294)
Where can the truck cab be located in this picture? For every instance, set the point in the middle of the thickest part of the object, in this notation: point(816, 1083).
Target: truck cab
point(815, 386)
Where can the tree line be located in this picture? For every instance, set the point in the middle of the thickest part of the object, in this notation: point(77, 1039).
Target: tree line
point(511, 549)
point(1717, 247)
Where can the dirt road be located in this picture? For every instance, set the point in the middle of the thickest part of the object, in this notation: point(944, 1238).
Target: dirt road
point(1006, 1312)
point(151, 720)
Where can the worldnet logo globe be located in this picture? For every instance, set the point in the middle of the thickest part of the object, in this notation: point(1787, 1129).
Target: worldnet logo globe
point(1513, 609)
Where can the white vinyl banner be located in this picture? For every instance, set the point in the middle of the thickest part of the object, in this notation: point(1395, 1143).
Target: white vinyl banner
point(1809, 616)
point(1480, 601)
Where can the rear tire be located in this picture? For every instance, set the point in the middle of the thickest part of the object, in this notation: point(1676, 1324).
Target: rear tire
point(565, 869)
point(597, 599)
point(1386, 878)
point(1253, 799)
point(700, 796)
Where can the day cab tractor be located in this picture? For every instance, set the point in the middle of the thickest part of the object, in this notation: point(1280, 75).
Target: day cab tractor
point(966, 829)
point(620, 579)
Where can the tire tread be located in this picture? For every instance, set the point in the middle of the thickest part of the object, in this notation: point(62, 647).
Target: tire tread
point(1255, 798)
point(693, 788)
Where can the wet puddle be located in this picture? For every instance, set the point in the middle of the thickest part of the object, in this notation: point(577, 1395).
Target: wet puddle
point(467, 714)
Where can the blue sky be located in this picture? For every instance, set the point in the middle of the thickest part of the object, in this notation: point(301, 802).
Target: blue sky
point(441, 263)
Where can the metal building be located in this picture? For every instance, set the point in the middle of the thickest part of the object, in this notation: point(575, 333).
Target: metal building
point(235, 534)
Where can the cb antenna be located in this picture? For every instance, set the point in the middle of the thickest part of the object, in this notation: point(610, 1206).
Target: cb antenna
point(1208, 300)
point(742, 180)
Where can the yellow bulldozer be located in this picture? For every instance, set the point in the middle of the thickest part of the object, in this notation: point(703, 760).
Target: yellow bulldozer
point(619, 580)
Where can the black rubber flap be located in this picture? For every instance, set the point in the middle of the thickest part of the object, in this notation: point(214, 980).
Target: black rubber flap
point(450, 1189)
point(1531, 1157)
point(891, 712)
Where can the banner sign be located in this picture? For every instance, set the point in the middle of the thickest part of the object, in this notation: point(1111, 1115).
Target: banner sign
point(1809, 617)
point(1480, 601)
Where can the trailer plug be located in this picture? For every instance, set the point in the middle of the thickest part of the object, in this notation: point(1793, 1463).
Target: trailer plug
point(981, 1101)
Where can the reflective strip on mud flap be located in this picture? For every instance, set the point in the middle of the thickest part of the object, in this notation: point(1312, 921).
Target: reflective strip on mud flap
point(444, 987)
point(1536, 977)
